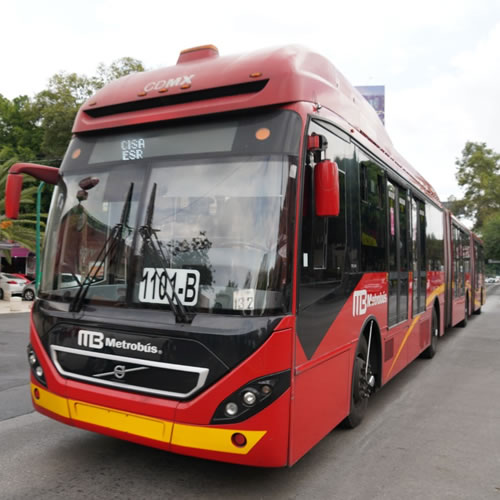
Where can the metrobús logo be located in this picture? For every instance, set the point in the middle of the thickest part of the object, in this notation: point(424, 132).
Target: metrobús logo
point(362, 300)
point(97, 340)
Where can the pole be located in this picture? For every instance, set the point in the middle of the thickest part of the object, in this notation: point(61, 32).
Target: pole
point(38, 207)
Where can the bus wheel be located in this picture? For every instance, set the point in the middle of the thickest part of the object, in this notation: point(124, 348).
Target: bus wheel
point(463, 323)
point(431, 350)
point(478, 310)
point(363, 383)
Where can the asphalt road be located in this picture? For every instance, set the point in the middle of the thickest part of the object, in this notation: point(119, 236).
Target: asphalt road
point(432, 433)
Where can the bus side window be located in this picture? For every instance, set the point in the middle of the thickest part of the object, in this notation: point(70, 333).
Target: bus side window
point(324, 238)
point(373, 216)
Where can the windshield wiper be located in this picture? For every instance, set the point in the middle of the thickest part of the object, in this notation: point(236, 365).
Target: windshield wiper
point(112, 241)
point(150, 240)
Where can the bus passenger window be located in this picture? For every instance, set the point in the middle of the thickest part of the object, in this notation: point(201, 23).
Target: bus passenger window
point(324, 238)
point(373, 216)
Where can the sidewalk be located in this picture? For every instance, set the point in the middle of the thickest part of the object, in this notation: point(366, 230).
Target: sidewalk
point(15, 306)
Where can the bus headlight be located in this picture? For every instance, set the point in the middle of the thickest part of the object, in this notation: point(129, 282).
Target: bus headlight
point(231, 409)
point(35, 366)
point(251, 398)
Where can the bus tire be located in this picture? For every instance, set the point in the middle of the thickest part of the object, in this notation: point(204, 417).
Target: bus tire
point(463, 323)
point(434, 332)
point(359, 400)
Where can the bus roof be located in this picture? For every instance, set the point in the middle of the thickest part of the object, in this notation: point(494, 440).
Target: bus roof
point(203, 83)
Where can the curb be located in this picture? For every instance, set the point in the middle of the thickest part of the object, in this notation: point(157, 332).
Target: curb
point(16, 306)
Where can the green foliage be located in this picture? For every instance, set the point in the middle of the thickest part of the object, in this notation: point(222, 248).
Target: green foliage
point(59, 103)
point(478, 173)
point(121, 67)
point(20, 133)
point(38, 130)
point(491, 236)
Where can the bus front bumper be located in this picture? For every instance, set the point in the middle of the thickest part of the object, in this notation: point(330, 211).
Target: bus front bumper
point(229, 443)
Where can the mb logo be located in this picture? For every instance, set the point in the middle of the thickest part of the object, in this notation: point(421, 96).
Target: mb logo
point(359, 303)
point(87, 338)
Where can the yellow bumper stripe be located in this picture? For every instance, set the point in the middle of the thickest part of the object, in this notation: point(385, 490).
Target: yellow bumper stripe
point(50, 401)
point(146, 427)
point(213, 438)
point(189, 436)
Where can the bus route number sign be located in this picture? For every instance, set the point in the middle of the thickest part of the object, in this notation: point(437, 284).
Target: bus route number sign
point(155, 287)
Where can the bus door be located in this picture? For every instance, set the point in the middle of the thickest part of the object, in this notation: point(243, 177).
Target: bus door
point(321, 385)
point(458, 303)
point(418, 256)
point(398, 254)
point(419, 275)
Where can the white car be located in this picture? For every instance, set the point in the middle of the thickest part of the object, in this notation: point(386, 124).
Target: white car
point(29, 291)
point(11, 284)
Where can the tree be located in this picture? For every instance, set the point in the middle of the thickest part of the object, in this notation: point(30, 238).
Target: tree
point(66, 92)
point(58, 105)
point(121, 67)
point(39, 130)
point(490, 233)
point(20, 133)
point(478, 173)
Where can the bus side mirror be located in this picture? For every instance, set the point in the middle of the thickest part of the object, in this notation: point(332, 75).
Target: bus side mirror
point(13, 189)
point(14, 184)
point(326, 188)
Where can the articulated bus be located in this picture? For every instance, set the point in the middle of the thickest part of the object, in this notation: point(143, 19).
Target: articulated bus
point(236, 259)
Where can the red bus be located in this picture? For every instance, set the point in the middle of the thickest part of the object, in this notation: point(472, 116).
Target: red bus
point(236, 258)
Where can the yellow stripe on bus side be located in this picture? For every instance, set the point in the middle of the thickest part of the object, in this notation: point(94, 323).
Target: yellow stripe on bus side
point(438, 291)
point(214, 439)
point(408, 333)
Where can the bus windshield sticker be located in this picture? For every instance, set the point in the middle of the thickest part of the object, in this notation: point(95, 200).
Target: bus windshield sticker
point(155, 288)
point(244, 300)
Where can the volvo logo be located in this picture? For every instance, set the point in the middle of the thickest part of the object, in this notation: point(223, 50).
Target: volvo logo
point(120, 371)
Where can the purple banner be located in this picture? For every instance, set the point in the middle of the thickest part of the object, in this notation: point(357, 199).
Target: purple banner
point(19, 252)
point(375, 95)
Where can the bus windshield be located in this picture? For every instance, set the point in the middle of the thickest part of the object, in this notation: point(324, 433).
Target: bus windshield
point(191, 214)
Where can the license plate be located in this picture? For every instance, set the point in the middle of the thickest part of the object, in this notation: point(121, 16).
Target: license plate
point(155, 288)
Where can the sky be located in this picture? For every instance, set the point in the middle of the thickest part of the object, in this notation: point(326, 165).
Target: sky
point(439, 60)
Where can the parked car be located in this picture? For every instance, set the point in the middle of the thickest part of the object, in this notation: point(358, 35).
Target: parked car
point(29, 291)
point(490, 279)
point(9, 283)
point(22, 276)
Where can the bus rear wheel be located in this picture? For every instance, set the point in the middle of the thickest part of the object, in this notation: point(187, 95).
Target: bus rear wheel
point(431, 350)
point(463, 323)
point(363, 382)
